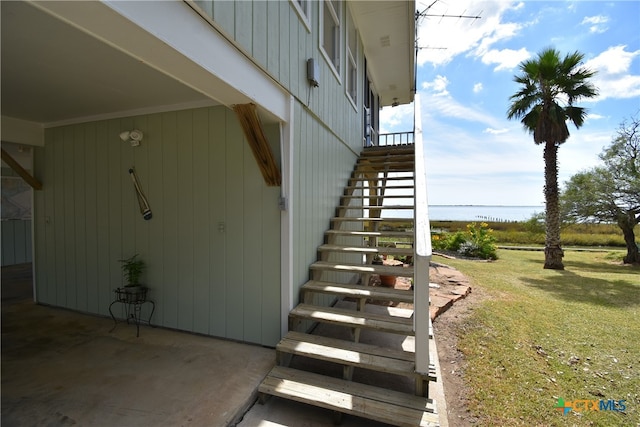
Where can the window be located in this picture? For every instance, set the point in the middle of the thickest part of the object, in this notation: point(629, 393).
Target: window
point(304, 6)
point(303, 9)
point(331, 14)
point(352, 60)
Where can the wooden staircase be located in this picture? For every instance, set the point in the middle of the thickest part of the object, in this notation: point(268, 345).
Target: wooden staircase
point(381, 173)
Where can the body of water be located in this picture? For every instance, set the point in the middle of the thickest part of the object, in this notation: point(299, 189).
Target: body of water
point(482, 212)
point(473, 213)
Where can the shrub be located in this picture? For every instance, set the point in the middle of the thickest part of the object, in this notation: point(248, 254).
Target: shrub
point(478, 241)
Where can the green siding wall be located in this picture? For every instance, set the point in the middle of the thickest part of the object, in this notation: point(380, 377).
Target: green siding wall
point(321, 168)
point(327, 127)
point(272, 33)
point(16, 241)
point(212, 248)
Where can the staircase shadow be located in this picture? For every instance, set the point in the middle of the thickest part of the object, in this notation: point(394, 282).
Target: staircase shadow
point(572, 287)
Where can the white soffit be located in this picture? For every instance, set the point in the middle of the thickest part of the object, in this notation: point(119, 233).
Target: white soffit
point(387, 29)
point(81, 61)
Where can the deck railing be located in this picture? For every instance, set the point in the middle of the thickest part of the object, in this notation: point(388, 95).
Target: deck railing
point(422, 249)
point(396, 138)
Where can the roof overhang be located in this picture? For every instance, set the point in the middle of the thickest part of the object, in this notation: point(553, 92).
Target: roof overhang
point(70, 62)
point(387, 29)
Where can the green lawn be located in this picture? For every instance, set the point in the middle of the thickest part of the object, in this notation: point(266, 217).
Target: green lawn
point(545, 334)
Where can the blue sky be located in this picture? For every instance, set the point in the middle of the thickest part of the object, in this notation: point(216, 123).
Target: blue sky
point(474, 154)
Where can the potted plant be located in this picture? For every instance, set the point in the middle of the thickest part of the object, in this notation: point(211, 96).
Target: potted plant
point(132, 269)
point(385, 280)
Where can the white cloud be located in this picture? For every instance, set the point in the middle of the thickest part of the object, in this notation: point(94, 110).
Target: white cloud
point(507, 59)
point(615, 60)
point(597, 23)
point(463, 35)
point(396, 119)
point(495, 131)
point(438, 86)
point(593, 116)
point(438, 101)
point(477, 88)
point(613, 78)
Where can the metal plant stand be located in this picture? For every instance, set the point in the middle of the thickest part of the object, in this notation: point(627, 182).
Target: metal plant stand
point(133, 298)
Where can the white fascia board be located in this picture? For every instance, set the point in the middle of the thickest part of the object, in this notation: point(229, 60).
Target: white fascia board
point(173, 39)
point(21, 131)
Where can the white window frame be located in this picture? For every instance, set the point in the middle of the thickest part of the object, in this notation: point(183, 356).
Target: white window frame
point(336, 16)
point(303, 9)
point(351, 74)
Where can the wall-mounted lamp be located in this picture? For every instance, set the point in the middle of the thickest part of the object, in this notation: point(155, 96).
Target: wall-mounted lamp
point(313, 72)
point(133, 136)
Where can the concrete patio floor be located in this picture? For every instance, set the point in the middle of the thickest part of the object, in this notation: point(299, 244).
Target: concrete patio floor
point(63, 368)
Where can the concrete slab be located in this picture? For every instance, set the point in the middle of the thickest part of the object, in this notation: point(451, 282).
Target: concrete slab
point(63, 368)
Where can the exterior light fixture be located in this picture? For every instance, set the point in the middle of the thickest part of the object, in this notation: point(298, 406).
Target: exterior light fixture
point(132, 136)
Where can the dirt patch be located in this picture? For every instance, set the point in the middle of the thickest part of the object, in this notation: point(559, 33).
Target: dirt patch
point(447, 327)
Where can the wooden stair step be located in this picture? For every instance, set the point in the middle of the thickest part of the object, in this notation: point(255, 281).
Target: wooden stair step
point(387, 270)
point(386, 151)
point(354, 319)
point(354, 177)
point(394, 207)
point(380, 196)
point(386, 187)
point(360, 355)
point(407, 157)
point(391, 407)
point(349, 353)
point(365, 219)
point(380, 250)
point(369, 233)
point(386, 167)
point(359, 291)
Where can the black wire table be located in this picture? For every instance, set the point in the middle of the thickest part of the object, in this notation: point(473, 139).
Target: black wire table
point(133, 298)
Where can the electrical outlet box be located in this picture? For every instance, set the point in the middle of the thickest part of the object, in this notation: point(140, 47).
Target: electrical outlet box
point(313, 72)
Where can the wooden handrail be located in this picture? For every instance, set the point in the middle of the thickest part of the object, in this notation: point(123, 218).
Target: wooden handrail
point(396, 138)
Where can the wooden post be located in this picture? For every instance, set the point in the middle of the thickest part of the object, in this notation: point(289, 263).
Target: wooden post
point(422, 250)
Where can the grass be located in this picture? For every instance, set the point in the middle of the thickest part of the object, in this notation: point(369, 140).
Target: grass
point(524, 233)
point(547, 334)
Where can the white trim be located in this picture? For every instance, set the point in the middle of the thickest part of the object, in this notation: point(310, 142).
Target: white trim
point(135, 112)
point(286, 219)
point(351, 59)
point(304, 17)
point(422, 249)
point(332, 66)
point(21, 131)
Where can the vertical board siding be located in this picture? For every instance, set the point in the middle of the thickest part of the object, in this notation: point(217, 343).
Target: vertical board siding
point(90, 279)
point(322, 165)
point(327, 129)
point(16, 241)
point(169, 211)
point(218, 208)
point(212, 248)
point(273, 34)
point(232, 227)
point(202, 222)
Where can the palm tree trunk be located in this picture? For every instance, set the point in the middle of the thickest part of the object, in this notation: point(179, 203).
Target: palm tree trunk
point(553, 253)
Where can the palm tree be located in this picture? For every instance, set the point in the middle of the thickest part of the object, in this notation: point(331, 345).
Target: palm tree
point(544, 103)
